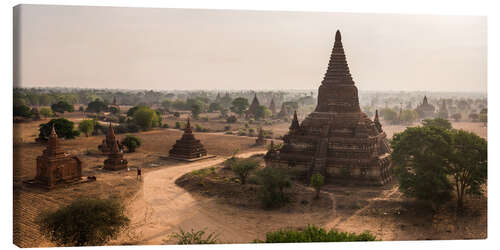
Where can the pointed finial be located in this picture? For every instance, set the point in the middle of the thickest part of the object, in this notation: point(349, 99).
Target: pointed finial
point(376, 115)
point(338, 37)
point(53, 132)
point(295, 115)
point(188, 124)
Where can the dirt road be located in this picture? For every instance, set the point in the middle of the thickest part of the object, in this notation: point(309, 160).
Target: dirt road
point(161, 208)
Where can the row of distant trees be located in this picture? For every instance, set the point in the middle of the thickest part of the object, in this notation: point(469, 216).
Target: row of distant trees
point(408, 116)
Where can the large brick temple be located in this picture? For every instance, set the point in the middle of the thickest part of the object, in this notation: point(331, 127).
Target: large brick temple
point(337, 140)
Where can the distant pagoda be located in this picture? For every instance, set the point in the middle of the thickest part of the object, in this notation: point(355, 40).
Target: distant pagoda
point(55, 166)
point(109, 141)
point(425, 110)
point(283, 112)
point(272, 107)
point(337, 140)
point(260, 138)
point(252, 110)
point(188, 147)
point(115, 159)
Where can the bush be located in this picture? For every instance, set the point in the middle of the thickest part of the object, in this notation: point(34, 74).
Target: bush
point(62, 106)
point(146, 117)
point(165, 125)
point(317, 181)
point(315, 234)
point(86, 127)
point(243, 167)
point(125, 128)
point(63, 127)
point(231, 119)
point(177, 114)
point(205, 119)
point(187, 238)
point(23, 111)
point(179, 125)
point(85, 222)
point(274, 182)
point(46, 112)
point(96, 106)
point(227, 128)
point(131, 142)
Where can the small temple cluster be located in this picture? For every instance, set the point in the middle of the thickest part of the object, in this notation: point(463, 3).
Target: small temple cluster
point(55, 167)
point(109, 142)
point(337, 140)
point(188, 147)
point(425, 109)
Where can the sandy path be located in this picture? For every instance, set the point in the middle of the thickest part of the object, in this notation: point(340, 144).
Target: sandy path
point(161, 208)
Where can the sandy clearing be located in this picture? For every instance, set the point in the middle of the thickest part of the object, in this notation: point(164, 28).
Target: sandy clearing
point(161, 208)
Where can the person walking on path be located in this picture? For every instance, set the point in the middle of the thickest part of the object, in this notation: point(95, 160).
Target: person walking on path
point(139, 173)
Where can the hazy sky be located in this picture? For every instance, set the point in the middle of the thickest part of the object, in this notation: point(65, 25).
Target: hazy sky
point(147, 48)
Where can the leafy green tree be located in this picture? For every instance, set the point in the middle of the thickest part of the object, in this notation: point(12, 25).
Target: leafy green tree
point(62, 106)
point(420, 157)
point(273, 185)
point(214, 106)
point(243, 167)
point(262, 112)
point(240, 105)
point(409, 116)
point(389, 114)
point(317, 181)
point(46, 112)
point(469, 164)
point(196, 110)
point(85, 222)
point(131, 142)
point(437, 122)
point(97, 106)
point(456, 117)
point(86, 127)
point(146, 118)
point(63, 127)
point(23, 111)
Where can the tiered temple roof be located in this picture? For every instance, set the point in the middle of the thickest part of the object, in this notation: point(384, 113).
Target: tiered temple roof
point(253, 107)
point(337, 139)
point(109, 141)
point(272, 107)
point(425, 109)
point(115, 159)
point(55, 166)
point(188, 147)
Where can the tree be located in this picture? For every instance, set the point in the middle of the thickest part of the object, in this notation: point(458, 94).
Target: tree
point(437, 122)
point(474, 117)
point(131, 142)
point(420, 157)
point(86, 127)
point(242, 168)
point(409, 116)
point(85, 222)
point(214, 106)
point(97, 106)
point(196, 110)
point(131, 111)
point(240, 105)
point(46, 112)
point(22, 110)
point(456, 117)
point(62, 106)
point(388, 114)
point(273, 184)
point(146, 118)
point(469, 164)
point(317, 181)
point(262, 112)
point(63, 127)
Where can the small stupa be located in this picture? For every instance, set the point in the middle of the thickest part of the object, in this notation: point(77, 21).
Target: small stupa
point(252, 110)
point(115, 159)
point(188, 147)
point(108, 142)
point(55, 166)
point(260, 138)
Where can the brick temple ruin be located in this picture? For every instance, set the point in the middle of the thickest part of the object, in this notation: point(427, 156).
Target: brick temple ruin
point(109, 141)
point(252, 110)
point(188, 147)
point(55, 167)
point(115, 159)
point(337, 140)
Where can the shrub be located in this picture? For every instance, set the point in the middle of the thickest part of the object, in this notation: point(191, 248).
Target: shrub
point(85, 222)
point(205, 119)
point(251, 132)
point(131, 142)
point(86, 127)
point(178, 125)
point(96, 106)
point(62, 106)
point(272, 192)
point(46, 112)
point(23, 111)
point(146, 118)
point(243, 167)
point(231, 119)
point(63, 127)
point(177, 114)
point(315, 234)
point(125, 128)
point(187, 238)
point(165, 125)
point(227, 128)
point(317, 181)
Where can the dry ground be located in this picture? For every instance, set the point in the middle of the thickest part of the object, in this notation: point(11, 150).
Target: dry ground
point(380, 210)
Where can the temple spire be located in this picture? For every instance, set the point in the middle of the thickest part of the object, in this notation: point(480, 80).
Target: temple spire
point(376, 116)
point(295, 122)
point(338, 69)
point(338, 37)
